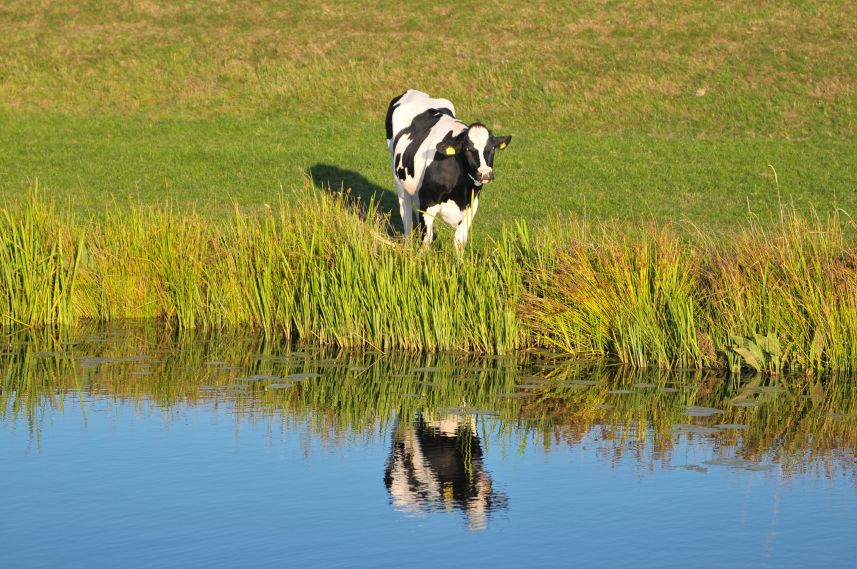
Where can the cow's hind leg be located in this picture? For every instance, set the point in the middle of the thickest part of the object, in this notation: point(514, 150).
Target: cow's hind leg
point(406, 211)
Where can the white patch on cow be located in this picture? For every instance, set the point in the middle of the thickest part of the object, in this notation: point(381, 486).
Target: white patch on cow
point(405, 208)
point(451, 213)
point(480, 136)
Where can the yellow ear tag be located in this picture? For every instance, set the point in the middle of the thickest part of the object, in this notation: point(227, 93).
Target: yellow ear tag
point(450, 151)
point(503, 145)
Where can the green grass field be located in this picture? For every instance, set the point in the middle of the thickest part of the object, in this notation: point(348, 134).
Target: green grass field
point(677, 111)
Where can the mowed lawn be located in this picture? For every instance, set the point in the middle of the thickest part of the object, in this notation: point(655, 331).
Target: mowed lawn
point(694, 113)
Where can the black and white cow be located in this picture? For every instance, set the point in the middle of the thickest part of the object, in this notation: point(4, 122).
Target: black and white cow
point(440, 164)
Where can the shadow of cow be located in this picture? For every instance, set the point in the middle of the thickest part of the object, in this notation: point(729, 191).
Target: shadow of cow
point(334, 179)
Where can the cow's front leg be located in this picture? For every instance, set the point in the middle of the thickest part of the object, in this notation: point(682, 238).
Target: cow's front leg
point(462, 232)
point(461, 235)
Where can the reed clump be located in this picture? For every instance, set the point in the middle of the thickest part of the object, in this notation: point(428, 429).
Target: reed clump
point(317, 267)
point(602, 292)
point(789, 293)
point(775, 298)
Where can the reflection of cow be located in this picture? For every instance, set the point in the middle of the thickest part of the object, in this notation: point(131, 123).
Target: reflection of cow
point(437, 464)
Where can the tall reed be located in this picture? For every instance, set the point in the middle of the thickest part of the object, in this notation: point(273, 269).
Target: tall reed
point(795, 283)
point(38, 267)
point(318, 267)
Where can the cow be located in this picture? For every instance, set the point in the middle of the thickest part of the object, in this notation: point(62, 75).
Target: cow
point(440, 164)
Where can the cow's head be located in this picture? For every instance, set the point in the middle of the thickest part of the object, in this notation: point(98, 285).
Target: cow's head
point(474, 148)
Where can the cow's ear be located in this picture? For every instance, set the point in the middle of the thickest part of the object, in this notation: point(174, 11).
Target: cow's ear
point(446, 147)
point(502, 141)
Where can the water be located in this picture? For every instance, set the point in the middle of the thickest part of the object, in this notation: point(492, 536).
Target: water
point(133, 448)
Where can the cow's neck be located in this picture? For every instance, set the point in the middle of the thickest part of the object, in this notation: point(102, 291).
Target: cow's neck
point(470, 189)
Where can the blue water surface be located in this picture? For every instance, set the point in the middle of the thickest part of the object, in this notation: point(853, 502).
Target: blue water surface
point(120, 484)
point(175, 458)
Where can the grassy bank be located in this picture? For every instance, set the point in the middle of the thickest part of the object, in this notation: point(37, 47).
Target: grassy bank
point(320, 268)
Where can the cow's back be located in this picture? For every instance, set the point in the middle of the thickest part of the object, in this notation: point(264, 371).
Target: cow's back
point(413, 148)
point(406, 107)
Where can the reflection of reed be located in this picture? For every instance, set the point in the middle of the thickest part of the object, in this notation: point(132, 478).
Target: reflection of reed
point(797, 423)
point(437, 464)
point(802, 424)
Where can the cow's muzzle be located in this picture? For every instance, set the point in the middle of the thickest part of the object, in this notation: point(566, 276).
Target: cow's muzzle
point(485, 177)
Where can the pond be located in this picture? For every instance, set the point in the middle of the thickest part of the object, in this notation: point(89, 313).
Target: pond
point(136, 447)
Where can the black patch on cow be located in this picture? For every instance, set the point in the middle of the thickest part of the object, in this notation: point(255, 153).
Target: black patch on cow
point(418, 131)
point(388, 122)
point(464, 147)
point(489, 154)
point(446, 179)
